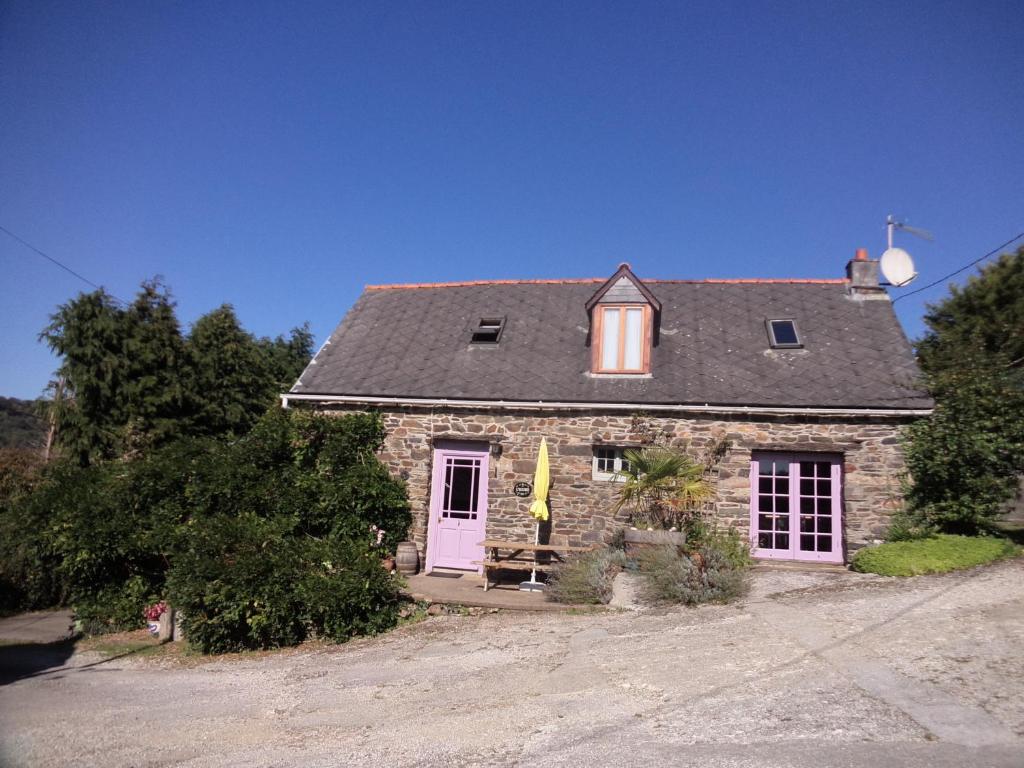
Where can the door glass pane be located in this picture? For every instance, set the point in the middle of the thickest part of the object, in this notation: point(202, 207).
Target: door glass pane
point(807, 524)
point(781, 523)
point(824, 469)
point(824, 525)
point(782, 503)
point(824, 506)
point(782, 541)
point(461, 490)
point(764, 485)
point(782, 485)
point(610, 339)
point(807, 543)
point(764, 522)
point(807, 487)
point(806, 505)
point(764, 540)
point(634, 339)
point(764, 503)
point(824, 543)
point(824, 487)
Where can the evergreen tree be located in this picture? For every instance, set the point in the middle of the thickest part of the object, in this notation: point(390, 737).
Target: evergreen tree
point(155, 391)
point(230, 374)
point(288, 357)
point(130, 381)
point(88, 334)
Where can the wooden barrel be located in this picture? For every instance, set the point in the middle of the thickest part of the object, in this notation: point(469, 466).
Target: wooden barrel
point(408, 559)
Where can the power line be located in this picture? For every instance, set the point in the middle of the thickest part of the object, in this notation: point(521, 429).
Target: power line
point(953, 274)
point(66, 268)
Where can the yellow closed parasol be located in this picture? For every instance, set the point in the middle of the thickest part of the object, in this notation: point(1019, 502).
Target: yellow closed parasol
point(541, 481)
point(539, 508)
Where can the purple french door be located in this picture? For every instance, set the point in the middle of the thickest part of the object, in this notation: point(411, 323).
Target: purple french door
point(796, 506)
point(458, 506)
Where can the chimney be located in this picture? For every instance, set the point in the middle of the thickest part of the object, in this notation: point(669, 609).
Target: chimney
point(862, 273)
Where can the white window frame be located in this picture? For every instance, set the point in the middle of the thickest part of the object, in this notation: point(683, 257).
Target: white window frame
point(617, 459)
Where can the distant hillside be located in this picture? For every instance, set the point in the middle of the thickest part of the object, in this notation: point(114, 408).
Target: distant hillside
point(19, 425)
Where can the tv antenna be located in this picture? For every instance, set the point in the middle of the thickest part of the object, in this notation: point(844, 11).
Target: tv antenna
point(896, 264)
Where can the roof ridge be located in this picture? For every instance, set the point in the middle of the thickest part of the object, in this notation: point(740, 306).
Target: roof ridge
point(595, 280)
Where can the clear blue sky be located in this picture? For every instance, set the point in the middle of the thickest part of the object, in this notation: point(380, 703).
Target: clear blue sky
point(279, 156)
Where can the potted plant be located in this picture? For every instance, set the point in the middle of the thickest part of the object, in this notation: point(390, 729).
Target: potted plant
point(663, 489)
point(153, 614)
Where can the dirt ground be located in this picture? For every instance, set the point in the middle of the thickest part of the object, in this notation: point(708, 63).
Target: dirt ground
point(810, 670)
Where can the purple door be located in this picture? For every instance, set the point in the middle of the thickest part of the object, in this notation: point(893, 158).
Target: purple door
point(796, 507)
point(458, 506)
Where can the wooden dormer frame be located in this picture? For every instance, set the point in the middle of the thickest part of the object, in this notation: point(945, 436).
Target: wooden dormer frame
point(624, 271)
point(647, 333)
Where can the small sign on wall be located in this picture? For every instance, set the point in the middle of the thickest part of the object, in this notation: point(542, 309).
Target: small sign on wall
point(522, 489)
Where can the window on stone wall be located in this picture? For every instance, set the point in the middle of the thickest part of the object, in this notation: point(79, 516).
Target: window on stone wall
point(608, 462)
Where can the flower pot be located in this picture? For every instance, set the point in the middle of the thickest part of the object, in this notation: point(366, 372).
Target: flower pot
point(637, 540)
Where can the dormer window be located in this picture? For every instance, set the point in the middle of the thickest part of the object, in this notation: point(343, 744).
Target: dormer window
point(489, 330)
point(623, 321)
point(782, 334)
point(622, 338)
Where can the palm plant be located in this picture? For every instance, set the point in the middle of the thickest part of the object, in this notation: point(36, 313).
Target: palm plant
point(662, 487)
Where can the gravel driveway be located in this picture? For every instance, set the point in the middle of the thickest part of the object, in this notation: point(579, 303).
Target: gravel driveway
point(810, 670)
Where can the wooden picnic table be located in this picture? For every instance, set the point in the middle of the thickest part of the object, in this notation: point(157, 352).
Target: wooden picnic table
point(512, 560)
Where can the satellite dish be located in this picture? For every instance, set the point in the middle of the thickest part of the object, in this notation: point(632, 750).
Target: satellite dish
point(898, 267)
point(896, 264)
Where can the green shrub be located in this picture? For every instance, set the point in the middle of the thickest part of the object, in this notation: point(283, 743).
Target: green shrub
point(935, 554)
point(104, 537)
point(247, 582)
point(345, 592)
point(728, 542)
point(586, 578)
point(706, 575)
point(906, 525)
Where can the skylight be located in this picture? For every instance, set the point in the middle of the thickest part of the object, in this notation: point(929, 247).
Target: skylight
point(489, 330)
point(782, 334)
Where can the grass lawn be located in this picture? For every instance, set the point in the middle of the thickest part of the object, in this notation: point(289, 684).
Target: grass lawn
point(936, 554)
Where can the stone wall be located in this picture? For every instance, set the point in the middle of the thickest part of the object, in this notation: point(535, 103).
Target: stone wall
point(581, 508)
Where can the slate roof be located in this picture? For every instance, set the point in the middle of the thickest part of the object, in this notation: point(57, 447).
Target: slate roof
point(413, 341)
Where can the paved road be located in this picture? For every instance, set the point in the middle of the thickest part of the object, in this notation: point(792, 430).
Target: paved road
point(36, 627)
point(831, 670)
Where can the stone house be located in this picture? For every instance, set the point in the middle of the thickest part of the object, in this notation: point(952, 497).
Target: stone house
point(802, 387)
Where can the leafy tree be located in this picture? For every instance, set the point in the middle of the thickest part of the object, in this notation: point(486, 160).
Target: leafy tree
point(987, 315)
point(965, 460)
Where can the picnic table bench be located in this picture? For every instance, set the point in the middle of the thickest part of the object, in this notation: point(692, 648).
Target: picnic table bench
point(513, 560)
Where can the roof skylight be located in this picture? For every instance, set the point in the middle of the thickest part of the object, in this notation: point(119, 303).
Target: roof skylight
point(489, 330)
point(782, 334)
